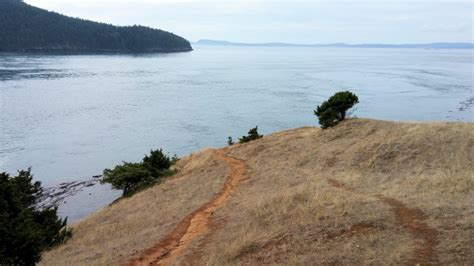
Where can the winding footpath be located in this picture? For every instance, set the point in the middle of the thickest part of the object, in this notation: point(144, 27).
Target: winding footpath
point(195, 224)
point(426, 238)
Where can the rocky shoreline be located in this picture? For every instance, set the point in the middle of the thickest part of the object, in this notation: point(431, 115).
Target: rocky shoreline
point(466, 104)
point(55, 196)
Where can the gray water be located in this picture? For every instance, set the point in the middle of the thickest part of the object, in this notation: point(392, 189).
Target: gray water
point(69, 117)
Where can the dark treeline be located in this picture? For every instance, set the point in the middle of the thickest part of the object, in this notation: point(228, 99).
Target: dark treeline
point(24, 28)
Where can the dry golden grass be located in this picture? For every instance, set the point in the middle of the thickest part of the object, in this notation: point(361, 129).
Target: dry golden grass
point(288, 212)
point(118, 232)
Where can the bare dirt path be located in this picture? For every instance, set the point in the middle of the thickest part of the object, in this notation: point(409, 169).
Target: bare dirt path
point(195, 224)
point(426, 238)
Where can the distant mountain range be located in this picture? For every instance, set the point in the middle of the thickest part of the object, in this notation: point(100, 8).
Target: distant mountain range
point(24, 28)
point(438, 45)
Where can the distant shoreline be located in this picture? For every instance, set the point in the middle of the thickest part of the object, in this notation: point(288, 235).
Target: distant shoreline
point(438, 45)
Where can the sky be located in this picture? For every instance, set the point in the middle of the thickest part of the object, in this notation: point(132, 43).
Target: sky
point(291, 21)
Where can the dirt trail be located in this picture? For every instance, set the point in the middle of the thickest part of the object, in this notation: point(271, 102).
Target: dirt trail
point(426, 238)
point(411, 219)
point(194, 224)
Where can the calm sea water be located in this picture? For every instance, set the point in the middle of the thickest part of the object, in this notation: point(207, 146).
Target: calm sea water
point(69, 117)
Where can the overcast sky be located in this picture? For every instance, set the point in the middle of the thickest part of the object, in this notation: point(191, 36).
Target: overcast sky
point(285, 20)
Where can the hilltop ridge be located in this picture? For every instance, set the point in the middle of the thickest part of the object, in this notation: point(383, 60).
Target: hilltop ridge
point(365, 191)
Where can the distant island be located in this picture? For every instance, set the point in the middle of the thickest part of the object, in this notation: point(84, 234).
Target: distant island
point(438, 45)
point(24, 28)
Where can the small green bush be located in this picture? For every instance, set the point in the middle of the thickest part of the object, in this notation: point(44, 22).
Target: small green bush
point(157, 162)
point(252, 135)
point(25, 230)
point(335, 108)
point(131, 177)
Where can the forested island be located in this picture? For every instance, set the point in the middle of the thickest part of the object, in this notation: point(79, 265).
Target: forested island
point(24, 28)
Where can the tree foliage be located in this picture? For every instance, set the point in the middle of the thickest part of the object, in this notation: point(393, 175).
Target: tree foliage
point(131, 177)
point(25, 231)
point(127, 177)
point(335, 108)
point(252, 135)
point(157, 162)
point(230, 141)
point(27, 28)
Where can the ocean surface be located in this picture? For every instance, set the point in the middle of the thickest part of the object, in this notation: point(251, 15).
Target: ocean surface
point(71, 116)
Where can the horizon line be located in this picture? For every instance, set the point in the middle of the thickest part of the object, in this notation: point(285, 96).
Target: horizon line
point(275, 43)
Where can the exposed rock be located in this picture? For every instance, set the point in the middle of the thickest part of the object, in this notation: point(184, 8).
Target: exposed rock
point(54, 196)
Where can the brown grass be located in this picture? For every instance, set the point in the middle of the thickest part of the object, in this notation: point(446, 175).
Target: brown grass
point(311, 197)
point(122, 230)
point(194, 225)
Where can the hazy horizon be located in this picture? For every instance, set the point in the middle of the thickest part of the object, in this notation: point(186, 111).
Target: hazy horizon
point(309, 44)
point(302, 22)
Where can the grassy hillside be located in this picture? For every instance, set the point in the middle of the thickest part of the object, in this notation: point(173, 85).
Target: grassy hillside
point(24, 28)
point(362, 192)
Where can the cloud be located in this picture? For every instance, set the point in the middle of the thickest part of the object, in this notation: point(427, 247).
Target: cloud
point(459, 27)
point(285, 20)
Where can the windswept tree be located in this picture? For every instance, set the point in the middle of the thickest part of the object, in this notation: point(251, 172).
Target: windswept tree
point(131, 177)
point(25, 230)
point(252, 135)
point(335, 108)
